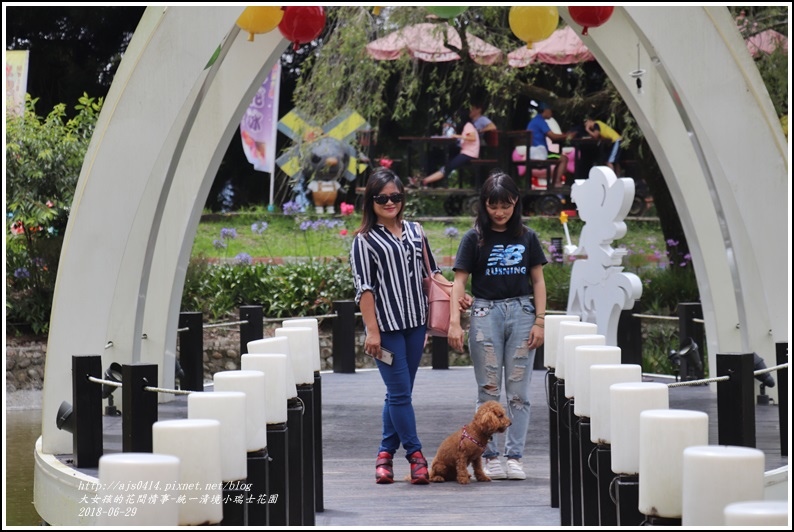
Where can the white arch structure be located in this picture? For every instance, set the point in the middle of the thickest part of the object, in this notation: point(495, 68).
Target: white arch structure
point(171, 112)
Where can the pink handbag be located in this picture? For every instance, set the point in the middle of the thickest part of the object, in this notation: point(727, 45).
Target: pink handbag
point(437, 301)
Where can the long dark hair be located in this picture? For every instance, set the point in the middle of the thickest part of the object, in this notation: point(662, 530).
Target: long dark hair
point(499, 188)
point(379, 178)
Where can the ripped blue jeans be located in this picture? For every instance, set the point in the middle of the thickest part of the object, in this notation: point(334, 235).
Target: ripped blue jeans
point(498, 338)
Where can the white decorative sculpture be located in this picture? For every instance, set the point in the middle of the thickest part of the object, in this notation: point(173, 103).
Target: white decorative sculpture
point(599, 288)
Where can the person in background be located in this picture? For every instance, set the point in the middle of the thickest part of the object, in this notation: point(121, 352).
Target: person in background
point(469, 149)
point(609, 150)
point(505, 260)
point(481, 122)
point(387, 263)
point(539, 150)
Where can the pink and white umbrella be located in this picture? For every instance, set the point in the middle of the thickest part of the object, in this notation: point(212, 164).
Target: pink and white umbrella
point(425, 41)
point(563, 47)
point(767, 42)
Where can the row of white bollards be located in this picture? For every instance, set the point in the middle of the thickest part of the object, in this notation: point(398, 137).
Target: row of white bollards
point(201, 466)
point(662, 469)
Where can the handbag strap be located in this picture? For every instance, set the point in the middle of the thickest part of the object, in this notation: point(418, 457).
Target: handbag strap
point(424, 252)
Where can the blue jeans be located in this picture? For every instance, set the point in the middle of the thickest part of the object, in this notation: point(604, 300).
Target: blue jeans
point(498, 338)
point(399, 421)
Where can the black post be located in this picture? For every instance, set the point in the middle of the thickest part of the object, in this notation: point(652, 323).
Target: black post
point(551, 401)
point(319, 504)
point(587, 475)
point(344, 344)
point(295, 441)
point(191, 351)
point(278, 475)
point(627, 497)
point(539, 358)
point(607, 511)
point(687, 328)
point(563, 454)
point(306, 395)
point(440, 352)
point(257, 500)
point(629, 338)
point(139, 407)
point(781, 357)
point(234, 505)
point(86, 411)
point(736, 400)
point(254, 329)
point(575, 467)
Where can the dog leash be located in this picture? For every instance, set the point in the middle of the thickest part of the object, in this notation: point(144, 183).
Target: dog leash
point(465, 434)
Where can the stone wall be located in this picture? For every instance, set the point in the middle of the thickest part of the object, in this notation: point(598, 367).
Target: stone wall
point(25, 357)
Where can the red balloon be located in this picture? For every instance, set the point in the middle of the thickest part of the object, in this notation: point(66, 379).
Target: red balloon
point(590, 17)
point(302, 24)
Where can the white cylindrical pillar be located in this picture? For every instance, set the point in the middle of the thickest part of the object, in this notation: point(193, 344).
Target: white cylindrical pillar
point(313, 324)
point(274, 366)
point(664, 434)
point(197, 444)
point(602, 377)
point(569, 344)
point(587, 356)
point(716, 476)
point(757, 513)
point(279, 346)
point(229, 408)
point(150, 477)
point(566, 328)
point(252, 383)
point(552, 328)
point(300, 351)
point(627, 401)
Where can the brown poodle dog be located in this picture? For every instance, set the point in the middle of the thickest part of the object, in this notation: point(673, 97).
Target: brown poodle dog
point(466, 446)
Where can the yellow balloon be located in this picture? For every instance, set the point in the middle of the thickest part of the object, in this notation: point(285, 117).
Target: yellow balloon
point(260, 19)
point(532, 24)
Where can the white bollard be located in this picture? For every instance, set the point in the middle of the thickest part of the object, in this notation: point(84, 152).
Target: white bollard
point(716, 476)
point(569, 344)
point(601, 378)
point(230, 409)
point(627, 401)
point(315, 343)
point(277, 345)
point(664, 434)
point(586, 357)
point(197, 444)
point(300, 351)
point(252, 383)
point(566, 328)
point(146, 477)
point(757, 513)
point(552, 328)
point(274, 366)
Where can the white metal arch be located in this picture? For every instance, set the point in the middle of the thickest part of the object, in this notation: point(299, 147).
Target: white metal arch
point(168, 118)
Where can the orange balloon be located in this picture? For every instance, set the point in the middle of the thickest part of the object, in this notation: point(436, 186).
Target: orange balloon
point(260, 19)
point(532, 24)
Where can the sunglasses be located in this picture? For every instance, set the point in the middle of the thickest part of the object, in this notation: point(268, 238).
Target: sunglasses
point(383, 199)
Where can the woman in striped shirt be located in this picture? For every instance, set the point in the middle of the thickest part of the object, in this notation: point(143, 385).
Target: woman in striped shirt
point(387, 263)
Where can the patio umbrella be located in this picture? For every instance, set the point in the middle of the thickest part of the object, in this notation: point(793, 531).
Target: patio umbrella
point(563, 47)
point(767, 41)
point(425, 41)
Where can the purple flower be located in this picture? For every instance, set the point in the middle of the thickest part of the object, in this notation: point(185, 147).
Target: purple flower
point(228, 232)
point(451, 232)
point(243, 258)
point(259, 227)
point(21, 273)
point(219, 244)
point(291, 208)
point(672, 243)
point(305, 225)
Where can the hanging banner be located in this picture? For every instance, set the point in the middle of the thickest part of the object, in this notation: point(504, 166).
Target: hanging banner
point(258, 127)
point(16, 81)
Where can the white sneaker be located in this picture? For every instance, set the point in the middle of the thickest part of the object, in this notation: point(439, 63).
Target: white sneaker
point(493, 468)
point(514, 470)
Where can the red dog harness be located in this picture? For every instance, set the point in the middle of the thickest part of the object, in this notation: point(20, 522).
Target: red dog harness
point(465, 434)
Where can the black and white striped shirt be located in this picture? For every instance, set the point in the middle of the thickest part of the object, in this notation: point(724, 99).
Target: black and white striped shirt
point(392, 269)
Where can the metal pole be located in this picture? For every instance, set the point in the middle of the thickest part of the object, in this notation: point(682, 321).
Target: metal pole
point(139, 407)
point(318, 444)
point(254, 329)
point(278, 474)
point(440, 352)
point(86, 410)
point(306, 395)
point(588, 479)
point(344, 343)
point(563, 455)
point(736, 400)
point(191, 351)
point(295, 441)
point(551, 387)
point(781, 356)
point(607, 511)
point(627, 495)
point(257, 499)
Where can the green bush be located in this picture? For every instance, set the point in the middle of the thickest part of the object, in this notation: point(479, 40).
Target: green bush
point(44, 157)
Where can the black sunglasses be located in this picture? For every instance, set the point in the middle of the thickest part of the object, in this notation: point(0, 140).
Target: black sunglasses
point(383, 199)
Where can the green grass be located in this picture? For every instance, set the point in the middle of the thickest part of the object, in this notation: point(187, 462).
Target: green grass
point(284, 237)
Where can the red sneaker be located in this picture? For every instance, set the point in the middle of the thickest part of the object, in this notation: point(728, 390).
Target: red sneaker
point(384, 474)
point(419, 473)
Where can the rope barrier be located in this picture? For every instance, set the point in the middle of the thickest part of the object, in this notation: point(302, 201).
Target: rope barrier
point(166, 390)
point(698, 381)
point(104, 382)
point(227, 324)
point(773, 368)
point(651, 316)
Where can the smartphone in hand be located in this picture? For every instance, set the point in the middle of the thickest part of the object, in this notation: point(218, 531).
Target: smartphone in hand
point(385, 356)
